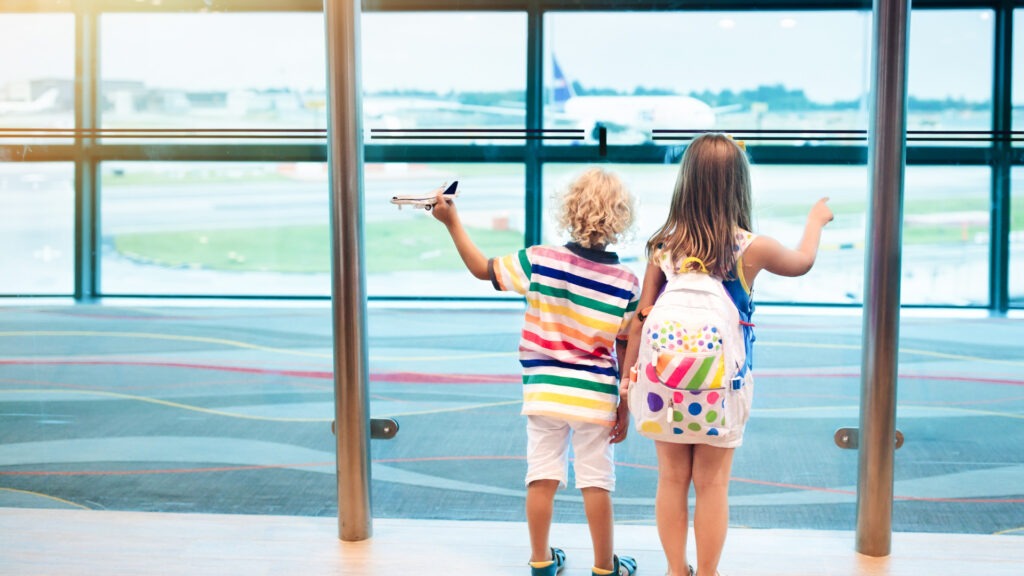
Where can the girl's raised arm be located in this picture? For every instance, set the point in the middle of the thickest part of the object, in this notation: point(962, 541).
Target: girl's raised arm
point(768, 254)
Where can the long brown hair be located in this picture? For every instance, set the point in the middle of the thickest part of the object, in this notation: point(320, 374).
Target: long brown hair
point(711, 199)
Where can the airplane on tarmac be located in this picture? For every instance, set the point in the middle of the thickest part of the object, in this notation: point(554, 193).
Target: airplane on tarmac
point(44, 102)
point(627, 115)
point(630, 114)
point(426, 201)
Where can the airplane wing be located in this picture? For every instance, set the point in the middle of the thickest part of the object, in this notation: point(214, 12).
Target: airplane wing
point(727, 109)
point(375, 105)
point(426, 201)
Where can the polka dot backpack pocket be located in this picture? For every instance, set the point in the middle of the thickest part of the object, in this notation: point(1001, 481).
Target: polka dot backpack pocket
point(686, 385)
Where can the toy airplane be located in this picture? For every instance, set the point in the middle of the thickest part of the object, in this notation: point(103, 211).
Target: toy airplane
point(425, 201)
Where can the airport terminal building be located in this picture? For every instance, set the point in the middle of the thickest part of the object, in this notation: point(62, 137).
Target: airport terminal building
point(225, 349)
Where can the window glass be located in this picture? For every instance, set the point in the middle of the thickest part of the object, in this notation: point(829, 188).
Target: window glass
point(37, 228)
point(771, 80)
point(949, 74)
point(226, 75)
point(707, 70)
point(447, 70)
point(37, 91)
point(215, 228)
point(409, 253)
point(945, 232)
point(1017, 238)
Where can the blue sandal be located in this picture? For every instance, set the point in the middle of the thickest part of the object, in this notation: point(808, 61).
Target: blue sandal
point(624, 566)
point(556, 566)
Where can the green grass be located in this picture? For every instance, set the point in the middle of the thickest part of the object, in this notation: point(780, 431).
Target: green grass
point(418, 244)
point(914, 232)
point(189, 178)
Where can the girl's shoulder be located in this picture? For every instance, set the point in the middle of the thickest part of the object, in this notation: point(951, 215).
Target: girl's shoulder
point(664, 260)
point(742, 240)
point(669, 262)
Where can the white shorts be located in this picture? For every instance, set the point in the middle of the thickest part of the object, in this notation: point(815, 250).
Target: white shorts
point(547, 452)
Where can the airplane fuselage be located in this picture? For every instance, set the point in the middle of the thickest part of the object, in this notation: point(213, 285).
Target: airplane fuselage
point(641, 113)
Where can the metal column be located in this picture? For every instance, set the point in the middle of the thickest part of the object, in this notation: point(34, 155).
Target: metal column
point(534, 207)
point(348, 283)
point(86, 167)
point(886, 161)
point(1002, 153)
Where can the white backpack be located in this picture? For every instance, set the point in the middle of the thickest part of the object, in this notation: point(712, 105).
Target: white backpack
point(685, 386)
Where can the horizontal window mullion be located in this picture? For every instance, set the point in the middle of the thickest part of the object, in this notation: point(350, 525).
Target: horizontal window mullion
point(443, 153)
point(767, 154)
point(37, 152)
point(212, 152)
point(111, 6)
point(651, 5)
point(760, 154)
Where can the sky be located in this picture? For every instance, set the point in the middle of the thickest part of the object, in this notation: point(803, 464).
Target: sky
point(825, 53)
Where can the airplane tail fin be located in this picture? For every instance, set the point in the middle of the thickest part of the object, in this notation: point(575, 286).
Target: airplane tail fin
point(563, 89)
point(47, 99)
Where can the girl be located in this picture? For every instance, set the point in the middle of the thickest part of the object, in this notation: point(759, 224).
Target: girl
point(709, 219)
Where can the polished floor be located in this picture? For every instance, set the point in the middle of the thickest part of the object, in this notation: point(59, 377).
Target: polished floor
point(227, 410)
point(76, 542)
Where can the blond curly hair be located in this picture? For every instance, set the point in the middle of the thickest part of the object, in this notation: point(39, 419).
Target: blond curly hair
point(596, 209)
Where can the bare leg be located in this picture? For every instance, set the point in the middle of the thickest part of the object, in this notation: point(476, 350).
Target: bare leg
point(672, 501)
point(540, 498)
point(711, 469)
point(597, 502)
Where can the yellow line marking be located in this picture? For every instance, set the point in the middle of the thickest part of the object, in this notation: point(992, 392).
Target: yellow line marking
point(471, 356)
point(1010, 531)
point(246, 416)
point(246, 345)
point(928, 353)
point(959, 357)
point(158, 336)
point(443, 358)
point(40, 494)
point(898, 408)
point(452, 409)
point(170, 404)
point(455, 409)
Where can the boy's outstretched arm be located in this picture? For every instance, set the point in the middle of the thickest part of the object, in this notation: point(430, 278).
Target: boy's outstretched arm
point(445, 212)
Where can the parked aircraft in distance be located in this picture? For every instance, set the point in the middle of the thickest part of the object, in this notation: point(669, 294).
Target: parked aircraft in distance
point(631, 117)
point(628, 113)
point(44, 102)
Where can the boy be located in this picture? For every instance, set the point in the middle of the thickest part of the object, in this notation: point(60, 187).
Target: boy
point(580, 299)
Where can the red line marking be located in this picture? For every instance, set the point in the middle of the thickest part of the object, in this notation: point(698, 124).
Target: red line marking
point(446, 458)
point(478, 458)
point(1007, 381)
point(220, 367)
point(160, 470)
point(392, 377)
point(431, 378)
point(181, 317)
point(848, 492)
point(453, 378)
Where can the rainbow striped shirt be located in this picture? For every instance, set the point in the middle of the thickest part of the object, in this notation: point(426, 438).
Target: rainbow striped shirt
point(577, 301)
